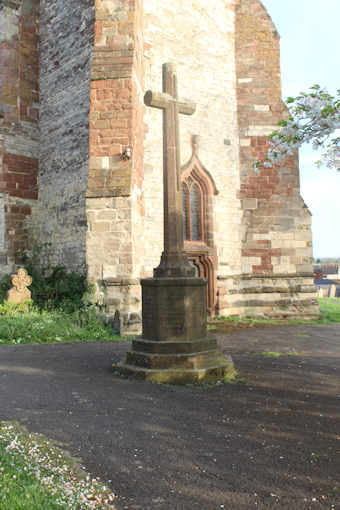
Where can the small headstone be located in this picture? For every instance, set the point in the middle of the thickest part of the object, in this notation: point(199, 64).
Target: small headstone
point(19, 293)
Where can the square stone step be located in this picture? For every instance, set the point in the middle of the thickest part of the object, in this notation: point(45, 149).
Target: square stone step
point(178, 361)
point(212, 374)
point(187, 347)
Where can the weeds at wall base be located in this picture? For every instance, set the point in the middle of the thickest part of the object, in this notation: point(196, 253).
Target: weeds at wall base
point(53, 287)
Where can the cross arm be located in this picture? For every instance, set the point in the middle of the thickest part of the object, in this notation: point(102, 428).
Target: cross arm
point(162, 100)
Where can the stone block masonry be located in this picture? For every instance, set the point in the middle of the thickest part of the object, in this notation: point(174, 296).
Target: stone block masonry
point(20, 176)
point(276, 221)
point(200, 39)
point(114, 195)
point(281, 296)
point(66, 50)
point(19, 131)
point(274, 214)
point(175, 347)
point(81, 158)
point(116, 100)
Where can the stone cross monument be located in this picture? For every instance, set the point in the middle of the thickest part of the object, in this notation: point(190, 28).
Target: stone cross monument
point(174, 347)
point(174, 261)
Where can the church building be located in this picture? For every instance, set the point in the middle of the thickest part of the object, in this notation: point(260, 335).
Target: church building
point(81, 155)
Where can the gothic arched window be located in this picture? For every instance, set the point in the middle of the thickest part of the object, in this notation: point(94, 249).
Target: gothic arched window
point(198, 190)
point(192, 210)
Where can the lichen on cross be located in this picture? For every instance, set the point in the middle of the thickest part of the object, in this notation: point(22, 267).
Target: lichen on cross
point(174, 261)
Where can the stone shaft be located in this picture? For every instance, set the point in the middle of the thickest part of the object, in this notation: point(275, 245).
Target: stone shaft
point(174, 261)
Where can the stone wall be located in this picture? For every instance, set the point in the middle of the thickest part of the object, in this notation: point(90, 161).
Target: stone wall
point(199, 38)
point(228, 63)
point(114, 206)
point(125, 197)
point(277, 236)
point(66, 48)
point(276, 226)
point(281, 296)
point(19, 133)
point(100, 149)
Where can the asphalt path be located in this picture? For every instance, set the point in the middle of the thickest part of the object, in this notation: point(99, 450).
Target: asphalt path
point(270, 441)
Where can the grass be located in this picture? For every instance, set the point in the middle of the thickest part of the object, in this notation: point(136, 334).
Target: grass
point(249, 322)
point(230, 378)
point(275, 354)
point(20, 325)
point(330, 309)
point(25, 324)
point(37, 475)
point(271, 354)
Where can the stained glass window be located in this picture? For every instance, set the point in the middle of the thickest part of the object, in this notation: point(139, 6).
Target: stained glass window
point(185, 198)
point(192, 210)
point(195, 212)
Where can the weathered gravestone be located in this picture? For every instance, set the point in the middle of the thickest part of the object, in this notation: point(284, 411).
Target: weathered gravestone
point(19, 293)
point(174, 347)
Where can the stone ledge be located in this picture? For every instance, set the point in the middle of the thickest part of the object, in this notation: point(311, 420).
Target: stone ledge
point(151, 346)
point(266, 276)
point(296, 289)
point(285, 302)
point(174, 282)
point(120, 282)
point(118, 192)
point(178, 361)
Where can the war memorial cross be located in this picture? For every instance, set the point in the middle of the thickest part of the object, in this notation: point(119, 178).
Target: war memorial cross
point(174, 262)
point(174, 347)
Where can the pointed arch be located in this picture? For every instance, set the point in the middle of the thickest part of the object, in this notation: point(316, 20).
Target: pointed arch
point(195, 176)
point(198, 193)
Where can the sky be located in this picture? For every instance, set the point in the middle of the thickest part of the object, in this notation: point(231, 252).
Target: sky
point(310, 44)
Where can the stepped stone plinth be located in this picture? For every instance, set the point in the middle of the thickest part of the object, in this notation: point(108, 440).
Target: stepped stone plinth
point(175, 347)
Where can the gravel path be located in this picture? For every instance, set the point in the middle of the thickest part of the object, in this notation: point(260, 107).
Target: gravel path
point(269, 442)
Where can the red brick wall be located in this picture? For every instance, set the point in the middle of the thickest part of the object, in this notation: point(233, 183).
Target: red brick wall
point(116, 106)
point(19, 177)
point(17, 235)
point(19, 108)
point(270, 196)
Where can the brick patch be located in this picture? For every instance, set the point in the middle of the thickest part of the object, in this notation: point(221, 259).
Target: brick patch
point(20, 176)
point(116, 111)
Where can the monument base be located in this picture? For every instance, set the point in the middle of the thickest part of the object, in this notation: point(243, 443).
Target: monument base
point(175, 347)
point(200, 361)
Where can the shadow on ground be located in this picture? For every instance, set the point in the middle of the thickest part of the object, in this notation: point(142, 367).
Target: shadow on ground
point(272, 441)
